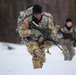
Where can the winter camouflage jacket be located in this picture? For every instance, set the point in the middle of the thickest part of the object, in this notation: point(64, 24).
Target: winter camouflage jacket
point(64, 32)
point(46, 23)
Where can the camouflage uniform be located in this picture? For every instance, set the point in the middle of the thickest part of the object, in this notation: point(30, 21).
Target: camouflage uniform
point(32, 45)
point(32, 35)
point(67, 44)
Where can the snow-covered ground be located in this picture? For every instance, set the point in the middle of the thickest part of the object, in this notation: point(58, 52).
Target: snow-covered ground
point(17, 61)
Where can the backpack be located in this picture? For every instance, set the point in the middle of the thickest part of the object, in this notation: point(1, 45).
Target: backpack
point(22, 16)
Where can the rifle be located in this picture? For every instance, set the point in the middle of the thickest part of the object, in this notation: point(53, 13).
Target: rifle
point(68, 36)
point(45, 33)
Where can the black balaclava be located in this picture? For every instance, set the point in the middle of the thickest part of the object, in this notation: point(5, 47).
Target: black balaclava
point(36, 20)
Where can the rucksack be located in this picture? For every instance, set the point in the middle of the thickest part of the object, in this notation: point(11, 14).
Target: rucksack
point(22, 16)
point(26, 13)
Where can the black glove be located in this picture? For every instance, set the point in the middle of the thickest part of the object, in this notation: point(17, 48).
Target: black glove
point(40, 39)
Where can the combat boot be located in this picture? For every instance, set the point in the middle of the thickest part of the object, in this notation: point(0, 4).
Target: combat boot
point(36, 63)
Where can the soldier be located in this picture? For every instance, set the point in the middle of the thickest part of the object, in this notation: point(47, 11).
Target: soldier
point(67, 36)
point(35, 41)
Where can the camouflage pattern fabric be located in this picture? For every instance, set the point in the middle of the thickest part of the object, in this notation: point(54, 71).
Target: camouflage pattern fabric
point(67, 44)
point(32, 44)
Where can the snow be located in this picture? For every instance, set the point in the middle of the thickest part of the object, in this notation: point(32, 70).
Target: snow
point(17, 61)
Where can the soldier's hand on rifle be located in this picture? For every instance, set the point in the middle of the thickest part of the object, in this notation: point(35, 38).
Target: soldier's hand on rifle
point(40, 39)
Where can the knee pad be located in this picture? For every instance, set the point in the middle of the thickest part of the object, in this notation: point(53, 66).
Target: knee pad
point(37, 53)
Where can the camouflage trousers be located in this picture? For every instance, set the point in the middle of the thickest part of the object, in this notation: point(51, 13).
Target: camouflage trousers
point(33, 45)
point(69, 51)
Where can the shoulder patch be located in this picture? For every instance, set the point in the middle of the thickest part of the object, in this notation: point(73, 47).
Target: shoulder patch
point(26, 23)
